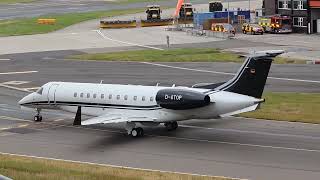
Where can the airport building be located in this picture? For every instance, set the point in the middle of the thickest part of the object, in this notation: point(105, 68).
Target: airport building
point(305, 14)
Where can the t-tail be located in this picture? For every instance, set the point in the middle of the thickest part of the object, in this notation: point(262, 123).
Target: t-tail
point(252, 76)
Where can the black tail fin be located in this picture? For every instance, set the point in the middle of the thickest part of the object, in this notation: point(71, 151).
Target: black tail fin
point(251, 78)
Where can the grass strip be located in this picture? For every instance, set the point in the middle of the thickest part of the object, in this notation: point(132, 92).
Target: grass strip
point(171, 55)
point(134, 1)
point(28, 26)
point(294, 107)
point(283, 60)
point(177, 55)
point(25, 168)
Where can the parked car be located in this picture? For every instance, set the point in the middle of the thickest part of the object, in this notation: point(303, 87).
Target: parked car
point(223, 27)
point(252, 28)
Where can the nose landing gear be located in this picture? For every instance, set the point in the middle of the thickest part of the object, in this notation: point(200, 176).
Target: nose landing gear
point(38, 117)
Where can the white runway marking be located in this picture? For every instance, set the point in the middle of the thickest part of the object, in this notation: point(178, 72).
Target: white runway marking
point(19, 72)
point(225, 73)
point(113, 166)
point(31, 88)
point(124, 42)
point(252, 132)
point(4, 59)
point(14, 88)
point(15, 82)
point(14, 119)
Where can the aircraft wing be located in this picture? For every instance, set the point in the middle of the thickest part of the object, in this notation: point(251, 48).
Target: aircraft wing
point(116, 118)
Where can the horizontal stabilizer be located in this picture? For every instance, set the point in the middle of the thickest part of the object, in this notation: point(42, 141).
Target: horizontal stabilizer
point(248, 109)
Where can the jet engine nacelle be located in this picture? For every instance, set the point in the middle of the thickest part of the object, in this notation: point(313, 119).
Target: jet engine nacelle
point(181, 99)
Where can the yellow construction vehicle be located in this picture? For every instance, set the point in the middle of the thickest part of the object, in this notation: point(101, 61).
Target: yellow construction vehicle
point(186, 11)
point(153, 12)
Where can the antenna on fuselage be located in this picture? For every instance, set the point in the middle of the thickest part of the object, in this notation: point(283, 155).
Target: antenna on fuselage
point(173, 85)
point(157, 84)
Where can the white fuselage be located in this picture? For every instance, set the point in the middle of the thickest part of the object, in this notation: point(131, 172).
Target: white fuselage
point(130, 100)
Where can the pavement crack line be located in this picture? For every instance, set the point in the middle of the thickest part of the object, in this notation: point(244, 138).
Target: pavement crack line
point(225, 73)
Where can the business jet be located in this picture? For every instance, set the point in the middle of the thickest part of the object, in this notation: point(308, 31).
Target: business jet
point(139, 106)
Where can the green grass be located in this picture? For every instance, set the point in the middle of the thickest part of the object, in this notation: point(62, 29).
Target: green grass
point(39, 169)
point(282, 60)
point(177, 55)
point(16, 1)
point(295, 107)
point(137, 1)
point(27, 26)
point(171, 55)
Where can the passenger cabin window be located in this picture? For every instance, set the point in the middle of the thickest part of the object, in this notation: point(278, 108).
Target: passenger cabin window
point(110, 96)
point(81, 95)
point(88, 95)
point(75, 94)
point(118, 97)
point(135, 98)
point(94, 96)
point(39, 91)
point(102, 96)
point(143, 98)
point(126, 97)
point(151, 98)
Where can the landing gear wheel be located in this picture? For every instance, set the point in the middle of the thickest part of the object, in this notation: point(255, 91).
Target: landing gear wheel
point(174, 125)
point(37, 118)
point(134, 132)
point(140, 132)
point(137, 132)
point(171, 125)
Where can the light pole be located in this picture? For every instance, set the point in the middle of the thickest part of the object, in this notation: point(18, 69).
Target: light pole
point(228, 13)
point(249, 11)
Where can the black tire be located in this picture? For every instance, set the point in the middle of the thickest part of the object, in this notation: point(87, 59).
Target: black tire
point(140, 132)
point(168, 126)
point(261, 33)
point(174, 125)
point(37, 118)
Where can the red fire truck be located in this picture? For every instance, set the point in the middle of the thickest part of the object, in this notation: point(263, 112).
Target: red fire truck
point(276, 24)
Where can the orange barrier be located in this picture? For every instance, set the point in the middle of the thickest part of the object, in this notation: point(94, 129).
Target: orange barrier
point(47, 21)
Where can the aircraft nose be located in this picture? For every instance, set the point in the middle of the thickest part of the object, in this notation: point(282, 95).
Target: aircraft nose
point(27, 99)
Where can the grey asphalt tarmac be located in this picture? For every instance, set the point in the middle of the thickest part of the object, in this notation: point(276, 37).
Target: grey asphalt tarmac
point(52, 66)
point(236, 147)
point(44, 7)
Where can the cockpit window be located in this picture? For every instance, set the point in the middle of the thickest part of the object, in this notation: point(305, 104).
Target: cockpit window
point(39, 91)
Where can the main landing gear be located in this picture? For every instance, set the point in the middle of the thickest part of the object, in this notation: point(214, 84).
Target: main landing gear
point(171, 126)
point(133, 130)
point(38, 117)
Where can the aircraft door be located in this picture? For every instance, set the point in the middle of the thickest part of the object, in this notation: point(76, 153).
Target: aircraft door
point(52, 93)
